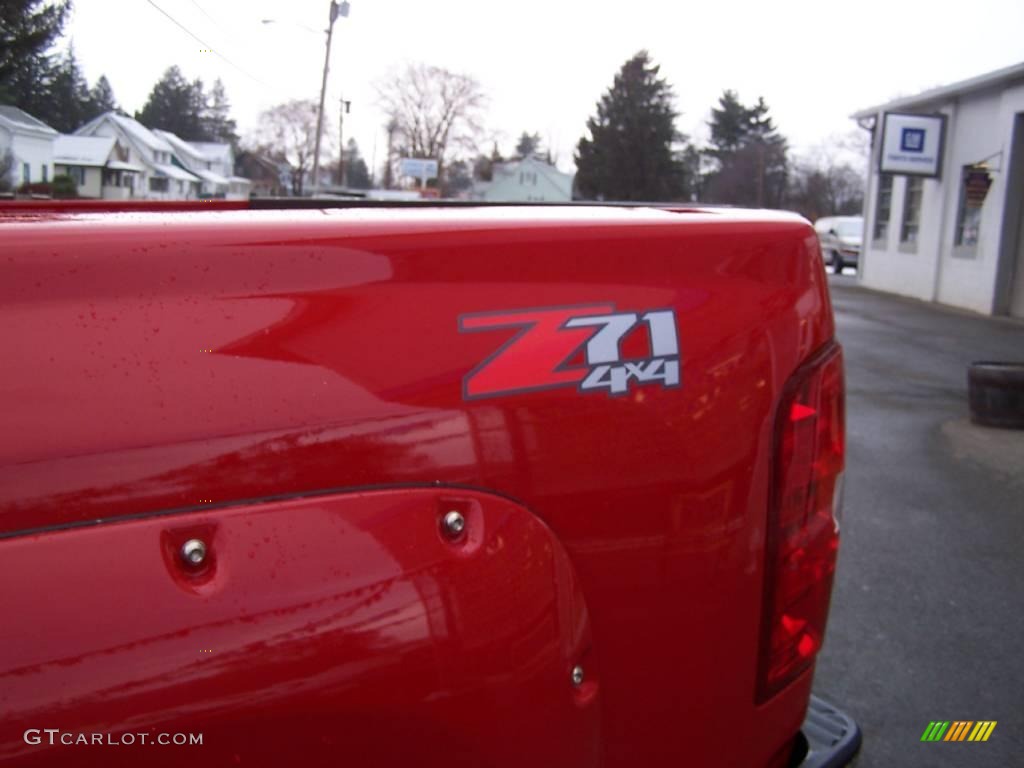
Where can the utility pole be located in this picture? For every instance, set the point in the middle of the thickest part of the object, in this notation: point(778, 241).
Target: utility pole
point(392, 127)
point(342, 168)
point(337, 9)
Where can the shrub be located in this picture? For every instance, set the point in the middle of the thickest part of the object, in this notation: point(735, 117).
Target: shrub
point(64, 186)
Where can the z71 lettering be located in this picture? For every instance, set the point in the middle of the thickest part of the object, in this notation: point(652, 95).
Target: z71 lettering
point(537, 356)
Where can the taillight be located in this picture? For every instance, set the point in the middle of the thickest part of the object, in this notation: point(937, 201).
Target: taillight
point(803, 525)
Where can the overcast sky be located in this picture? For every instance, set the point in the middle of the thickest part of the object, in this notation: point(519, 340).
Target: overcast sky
point(543, 65)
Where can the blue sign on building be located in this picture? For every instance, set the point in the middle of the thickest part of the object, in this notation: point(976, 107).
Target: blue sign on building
point(912, 140)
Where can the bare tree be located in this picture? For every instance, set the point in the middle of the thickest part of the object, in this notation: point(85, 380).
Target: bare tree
point(289, 131)
point(436, 112)
point(822, 187)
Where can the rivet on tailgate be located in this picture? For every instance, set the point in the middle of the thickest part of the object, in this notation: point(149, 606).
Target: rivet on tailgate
point(193, 552)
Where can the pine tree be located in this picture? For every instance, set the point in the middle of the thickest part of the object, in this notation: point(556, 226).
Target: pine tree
point(68, 103)
point(632, 152)
point(27, 30)
point(217, 122)
point(101, 98)
point(357, 175)
point(176, 105)
point(752, 167)
point(729, 125)
point(528, 145)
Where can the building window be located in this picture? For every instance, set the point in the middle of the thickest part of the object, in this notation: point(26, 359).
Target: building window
point(883, 206)
point(911, 210)
point(974, 184)
point(157, 184)
point(46, 174)
point(26, 173)
point(77, 173)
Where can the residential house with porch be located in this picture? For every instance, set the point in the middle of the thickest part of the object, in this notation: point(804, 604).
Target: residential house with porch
point(162, 178)
point(30, 143)
point(98, 165)
point(213, 163)
point(222, 161)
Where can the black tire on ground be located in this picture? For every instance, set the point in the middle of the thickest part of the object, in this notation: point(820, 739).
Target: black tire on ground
point(995, 392)
point(837, 263)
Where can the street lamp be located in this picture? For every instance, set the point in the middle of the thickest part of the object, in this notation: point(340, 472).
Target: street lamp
point(337, 9)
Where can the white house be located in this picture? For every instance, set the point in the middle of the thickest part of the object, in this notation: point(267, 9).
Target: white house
point(162, 177)
point(525, 181)
point(213, 163)
point(30, 143)
point(945, 195)
point(98, 165)
point(222, 159)
point(211, 183)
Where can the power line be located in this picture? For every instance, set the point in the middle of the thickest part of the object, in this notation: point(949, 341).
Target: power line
point(206, 45)
point(203, 11)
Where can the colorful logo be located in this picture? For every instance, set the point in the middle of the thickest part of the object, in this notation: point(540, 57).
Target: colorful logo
point(573, 347)
point(958, 730)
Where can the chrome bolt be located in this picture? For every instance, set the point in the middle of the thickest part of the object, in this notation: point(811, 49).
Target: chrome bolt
point(193, 552)
point(577, 676)
point(453, 524)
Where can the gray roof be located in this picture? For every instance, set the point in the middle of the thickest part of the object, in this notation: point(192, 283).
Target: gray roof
point(20, 119)
point(946, 92)
point(82, 150)
point(132, 128)
point(181, 146)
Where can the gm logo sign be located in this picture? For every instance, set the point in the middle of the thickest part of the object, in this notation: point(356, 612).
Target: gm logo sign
point(912, 140)
point(958, 730)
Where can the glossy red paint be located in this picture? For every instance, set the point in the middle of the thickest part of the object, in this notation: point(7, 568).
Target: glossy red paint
point(326, 631)
point(159, 360)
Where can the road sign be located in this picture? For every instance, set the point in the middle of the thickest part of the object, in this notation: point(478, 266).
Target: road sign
point(418, 167)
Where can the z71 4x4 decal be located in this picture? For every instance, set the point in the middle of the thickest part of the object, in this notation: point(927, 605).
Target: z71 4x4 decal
point(540, 355)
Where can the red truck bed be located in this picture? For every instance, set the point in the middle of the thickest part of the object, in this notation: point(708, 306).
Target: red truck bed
point(607, 397)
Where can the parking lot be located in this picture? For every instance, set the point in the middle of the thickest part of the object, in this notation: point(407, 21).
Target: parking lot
point(927, 619)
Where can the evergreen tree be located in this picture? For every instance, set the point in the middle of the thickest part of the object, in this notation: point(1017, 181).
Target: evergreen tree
point(27, 30)
point(632, 152)
point(101, 98)
point(529, 144)
point(176, 105)
point(68, 103)
point(751, 155)
point(357, 175)
point(217, 122)
point(729, 125)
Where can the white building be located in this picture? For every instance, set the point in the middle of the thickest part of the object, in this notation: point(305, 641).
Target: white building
point(162, 177)
point(98, 165)
point(222, 161)
point(530, 180)
point(213, 163)
point(955, 237)
point(30, 143)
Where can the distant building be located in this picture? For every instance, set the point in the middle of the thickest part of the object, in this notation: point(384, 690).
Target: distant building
point(98, 165)
point(30, 142)
point(220, 159)
point(529, 180)
point(267, 177)
point(945, 195)
point(162, 177)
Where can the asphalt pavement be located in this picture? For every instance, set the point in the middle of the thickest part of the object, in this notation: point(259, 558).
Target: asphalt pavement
point(927, 617)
